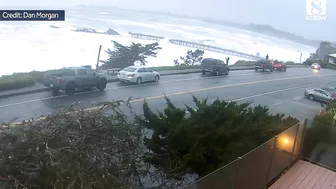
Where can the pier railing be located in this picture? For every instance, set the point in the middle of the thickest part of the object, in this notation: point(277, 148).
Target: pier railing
point(145, 36)
point(214, 49)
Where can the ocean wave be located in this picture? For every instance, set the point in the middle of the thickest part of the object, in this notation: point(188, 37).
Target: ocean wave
point(37, 46)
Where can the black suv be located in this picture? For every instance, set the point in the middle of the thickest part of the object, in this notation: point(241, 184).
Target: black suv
point(263, 65)
point(214, 66)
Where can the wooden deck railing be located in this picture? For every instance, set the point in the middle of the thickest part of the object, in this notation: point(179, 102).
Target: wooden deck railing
point(259, 168)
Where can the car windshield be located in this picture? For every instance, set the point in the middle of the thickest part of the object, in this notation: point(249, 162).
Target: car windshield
point(328, 89)
point(129, 69)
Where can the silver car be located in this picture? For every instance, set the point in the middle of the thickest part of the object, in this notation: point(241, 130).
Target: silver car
point(319, 94)
point(138, 74)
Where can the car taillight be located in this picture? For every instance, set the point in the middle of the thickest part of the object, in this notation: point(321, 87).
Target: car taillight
point(59, 81)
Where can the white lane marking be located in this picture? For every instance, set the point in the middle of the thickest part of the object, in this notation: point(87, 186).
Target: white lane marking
point(197, 90)
point(113, 88)
point(278, 103)
point(307, 105)
point(278, 91)
point(298, 98)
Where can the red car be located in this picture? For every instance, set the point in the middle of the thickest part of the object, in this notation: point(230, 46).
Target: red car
point(279, 66)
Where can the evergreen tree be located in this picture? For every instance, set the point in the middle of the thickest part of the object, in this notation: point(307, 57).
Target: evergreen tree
point(207, 137)
point(123, 56)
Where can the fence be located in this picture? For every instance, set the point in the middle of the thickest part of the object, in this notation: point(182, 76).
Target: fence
point(214, 49)
point(144, 36)
point(320, 144)
point(260, 167)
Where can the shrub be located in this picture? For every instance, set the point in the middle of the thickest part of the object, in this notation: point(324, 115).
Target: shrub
point(20, 80)
point(15, 81)
point(321, 130)
point(244, 63)
point(208, 137)
point(73, 149)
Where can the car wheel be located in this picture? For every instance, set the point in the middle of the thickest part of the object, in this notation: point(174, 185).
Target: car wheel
point(101, 85)
point(256, 69)
point(311, 97)
point(55, 90)
point(285, 69)
point(157, 78)
point(271, 69)
point(203, 73)
point(70, 89)
point(139, 81)
point(226, 72)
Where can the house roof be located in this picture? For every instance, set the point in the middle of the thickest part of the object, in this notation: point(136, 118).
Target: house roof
point(332, 55)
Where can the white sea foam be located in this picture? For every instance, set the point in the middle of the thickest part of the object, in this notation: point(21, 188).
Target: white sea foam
point(37, 46)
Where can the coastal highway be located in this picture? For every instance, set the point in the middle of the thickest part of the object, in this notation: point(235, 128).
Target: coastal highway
point(281, 91)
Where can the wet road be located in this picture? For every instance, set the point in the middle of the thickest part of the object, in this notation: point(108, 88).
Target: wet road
point(281, 91)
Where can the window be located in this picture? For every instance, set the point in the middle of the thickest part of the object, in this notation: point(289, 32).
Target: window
point(148, 70)
point(81, 72)
point(141, 70)
point(90, 72)
point(324, 93)
point(129, 69)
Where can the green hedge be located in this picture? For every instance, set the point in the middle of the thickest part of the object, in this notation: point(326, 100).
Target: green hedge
point(321, 131)
point(20, 80)
point(251, 63)
point(181, 67)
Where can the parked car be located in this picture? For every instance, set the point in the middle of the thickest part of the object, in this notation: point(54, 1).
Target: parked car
point(316, 66)
point(319, 94)
point(138, 74)
point(263, 65)
point(279, 66)
point(70, 79)
point(214, 67)
point(331, 90)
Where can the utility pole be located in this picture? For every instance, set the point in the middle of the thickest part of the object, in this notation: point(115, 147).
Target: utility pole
point(300, 58)
point(100, 47)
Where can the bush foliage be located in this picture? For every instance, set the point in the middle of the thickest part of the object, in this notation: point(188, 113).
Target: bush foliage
point(105, 148)
point(122, 56)
point(73, 149)
point(207, 137)
point(322, 130)
point(20, 80)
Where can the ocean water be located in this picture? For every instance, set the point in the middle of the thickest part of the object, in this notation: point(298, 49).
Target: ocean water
point(27, 46)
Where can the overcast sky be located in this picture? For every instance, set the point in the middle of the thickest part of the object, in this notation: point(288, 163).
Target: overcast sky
point(288, 15)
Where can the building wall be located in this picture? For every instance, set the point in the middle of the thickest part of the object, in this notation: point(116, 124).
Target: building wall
point(324, 51)
point(332, 60)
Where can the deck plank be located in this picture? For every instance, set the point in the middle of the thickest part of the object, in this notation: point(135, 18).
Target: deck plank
point(321, 181)
point(333, 184)
point(319, 174)
point(301, 172)
point(328, 181)
point(287, 175)
point(304, 183)
point(305, 175)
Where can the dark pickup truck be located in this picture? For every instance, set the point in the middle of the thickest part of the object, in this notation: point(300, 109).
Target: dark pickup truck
point(70, 79)
point(214, 66)
point(263, 65)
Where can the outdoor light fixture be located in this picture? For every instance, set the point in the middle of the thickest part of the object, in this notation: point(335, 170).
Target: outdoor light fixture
point(285, 143)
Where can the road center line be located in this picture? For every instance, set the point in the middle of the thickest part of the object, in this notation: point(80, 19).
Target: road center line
point(225, 86)
point(238, 99)
point(171, 94)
